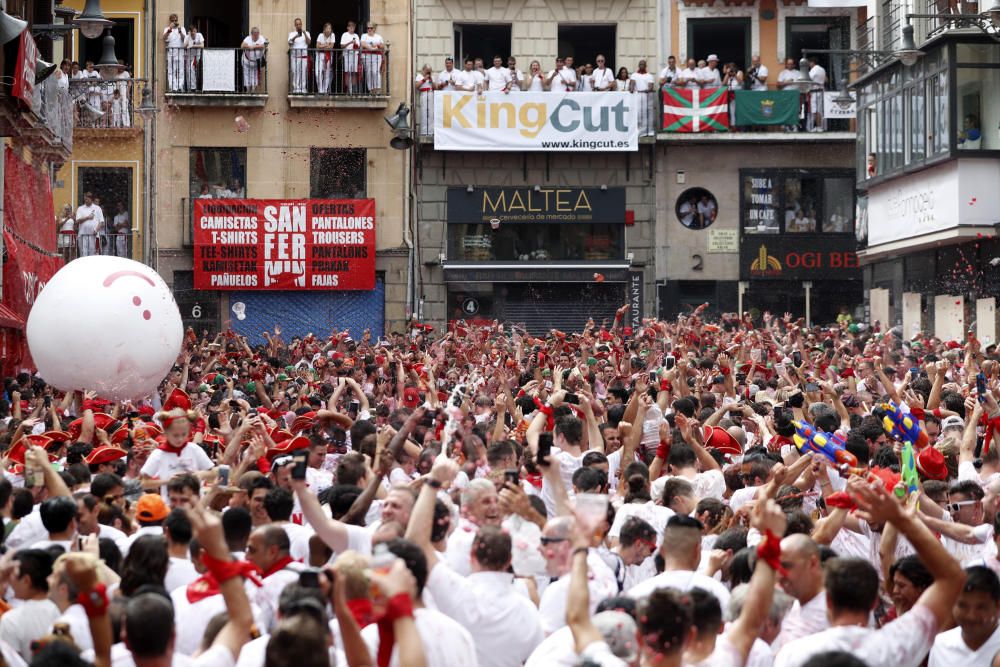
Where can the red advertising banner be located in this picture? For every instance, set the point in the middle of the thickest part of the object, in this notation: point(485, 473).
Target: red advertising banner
point(284, 244)
point(24, 71)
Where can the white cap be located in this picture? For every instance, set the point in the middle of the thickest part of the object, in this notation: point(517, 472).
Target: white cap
point(713, 57)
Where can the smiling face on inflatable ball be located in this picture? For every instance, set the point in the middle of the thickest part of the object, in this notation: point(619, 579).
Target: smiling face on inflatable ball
point(107, 324)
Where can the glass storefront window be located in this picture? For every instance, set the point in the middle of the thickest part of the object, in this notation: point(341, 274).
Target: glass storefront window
point(838, 206)
point(536, 243)
point(937, 101)
point(978, 109)
point(977, 54)
point(802, 204)
point(917, 131)
point(760, 204)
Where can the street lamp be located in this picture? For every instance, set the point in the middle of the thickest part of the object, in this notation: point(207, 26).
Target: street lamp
point(908, 53)
point(92, 21)
point(108, 65)
point(843, 100)
point(400, 128)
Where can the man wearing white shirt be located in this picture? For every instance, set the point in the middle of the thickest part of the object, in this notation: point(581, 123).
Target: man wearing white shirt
point(516, 74)
point(480, 507)
point(602, 78)
point(681, 551)
point(63, 593)
point(253, 60)
point(561, 79)
point(818, 77)
point(173, 38)
point(466, 80)
point(757, 75)
point(298, 54)
point(194, 46)
point(977, 638)
point(446, 79)
point(180, 570)
point(498, 77)
point(32, 619)
point(504, 624)
point(803, 580)
point(87, 217)
point(710, 73)
point(688, 77)
point(669, 73)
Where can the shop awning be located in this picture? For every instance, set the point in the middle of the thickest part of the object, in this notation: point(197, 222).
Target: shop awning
point(9, 319)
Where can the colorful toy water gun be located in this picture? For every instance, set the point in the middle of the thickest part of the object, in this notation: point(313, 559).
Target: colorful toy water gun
point(808, 439)
point(903, 427)
point(908, 470)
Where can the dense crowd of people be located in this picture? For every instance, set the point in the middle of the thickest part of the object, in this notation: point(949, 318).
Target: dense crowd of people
point(725, 493)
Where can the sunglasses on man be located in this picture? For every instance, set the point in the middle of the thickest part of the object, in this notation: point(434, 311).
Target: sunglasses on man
point(954, 507)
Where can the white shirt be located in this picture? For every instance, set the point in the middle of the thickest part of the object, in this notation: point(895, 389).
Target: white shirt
point(817, 75)
point(742, 496)
point(298, 537)
point(682, 580)
point(498, 78)
point(350, 40)
point(708, 484)
point(709, 77)
point(803, 620)
point(558, 650)
point(465, 80)
point(761, 74)
point(250, 41)
point(424, 86)
point(297, 41)
point(79, 626)
point(28, 531)
point(163, 465)
point(445, 641)
point(180, 572)
point(690, 77)
point(505, 626)
point(447, 77)
point(27, 622)
point(568, 464)
point(788, 75)
point(902, 643)
point(602, 79)
point(552, 605)
point(126, 545)
point(373, 42)
point(194, 41)
point(986, 546)
point(88, 227)
point(537, 83)
point(950, 650)
point(668, 73)
point(324, 42)
point(175, 36)
point(643, 81)
point(196, 615)
point(460, 547)
point(560, 78)
point(655, 515)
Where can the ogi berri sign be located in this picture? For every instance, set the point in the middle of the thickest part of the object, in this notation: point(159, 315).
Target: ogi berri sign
point(278, 244)
point(530, 121)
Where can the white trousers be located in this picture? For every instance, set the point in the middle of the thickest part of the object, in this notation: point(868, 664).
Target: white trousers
point(300, 69)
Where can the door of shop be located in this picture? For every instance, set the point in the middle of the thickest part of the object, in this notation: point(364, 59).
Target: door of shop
point(540, 307)
point(302, 313)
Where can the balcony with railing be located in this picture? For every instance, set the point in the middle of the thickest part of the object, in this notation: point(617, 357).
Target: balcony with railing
point(126, 244)
point(338, 78)
point(106, 107)
point(809, 111)
point(217, 77)
point(44, 120)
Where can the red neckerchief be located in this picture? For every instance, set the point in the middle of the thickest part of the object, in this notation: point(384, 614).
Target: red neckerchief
point(991, 426)
point(547, 411)
point(277, 567)
point(534, 479)
point(399, 606)
point(167, 447)
point(203, 587)
point(361, 610)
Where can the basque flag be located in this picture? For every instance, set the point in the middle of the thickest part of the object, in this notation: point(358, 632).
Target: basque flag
point(695, 110)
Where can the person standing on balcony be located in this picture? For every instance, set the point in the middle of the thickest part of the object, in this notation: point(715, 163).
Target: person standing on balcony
point(253, 59)
point(350, 43)
point(424, 84)
point(669, 74)
point(641, 82)
point(447, 78)
point(708, 76)
point(789, 79)
point(498, 77)
point(817, 74)
point(466, 79)
point(66, 226)
point(516, 75)
point(298, 54)
point(325, 44)
point(602, 79)
point(757, 74)
point(121, 228)
point(688, 77)
point(194, 46)
point(173, 37)
point(372, 55)
point(94, 97)
point(87, 217)
point(536, 80)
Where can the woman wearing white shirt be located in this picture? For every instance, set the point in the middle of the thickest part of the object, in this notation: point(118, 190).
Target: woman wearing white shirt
point(372, 48)
point(325, 43)
point(536, 80)
point(66, 224)
point(194, 46)
point(424, 83)
point(350, 42)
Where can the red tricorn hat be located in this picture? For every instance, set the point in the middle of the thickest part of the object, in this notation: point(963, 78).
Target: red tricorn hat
point(177, 399)
point(16, 452)
point(104, 454)
point(303, 422)
point(288, 446)
point(719, 438)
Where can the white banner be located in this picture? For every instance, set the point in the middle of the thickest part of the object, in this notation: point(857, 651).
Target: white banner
point(218, 70)
point(523, 121)
point(833, 110)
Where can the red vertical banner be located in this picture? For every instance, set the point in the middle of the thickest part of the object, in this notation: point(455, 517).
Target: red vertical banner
point(278, 244)
point(24, 71)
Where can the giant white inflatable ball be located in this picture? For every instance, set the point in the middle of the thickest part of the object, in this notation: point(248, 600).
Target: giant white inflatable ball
point(107, 324)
